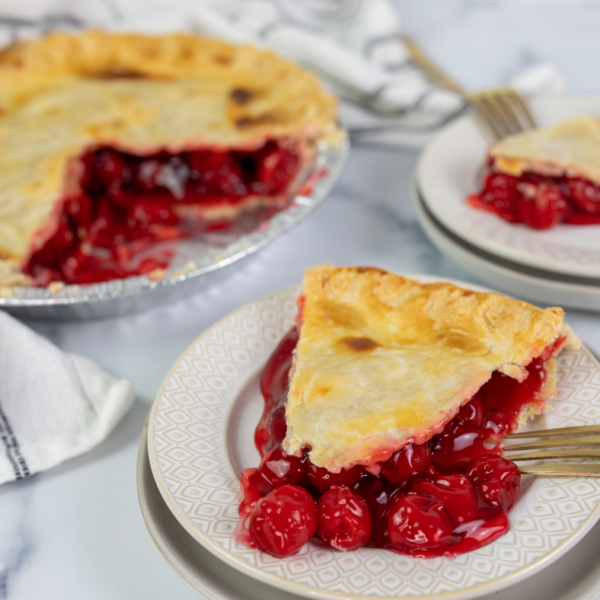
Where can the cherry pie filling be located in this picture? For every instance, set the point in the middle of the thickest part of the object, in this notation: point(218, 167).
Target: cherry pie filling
point(124, 205)
point(538, 201)
point(447, 496)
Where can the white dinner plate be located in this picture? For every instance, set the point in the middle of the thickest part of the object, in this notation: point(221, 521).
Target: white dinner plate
point(451, 168)
point(544, 288)
point(200, 438)
point(575, 576)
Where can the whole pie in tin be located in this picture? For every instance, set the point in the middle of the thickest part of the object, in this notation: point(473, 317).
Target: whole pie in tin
point(112, 146)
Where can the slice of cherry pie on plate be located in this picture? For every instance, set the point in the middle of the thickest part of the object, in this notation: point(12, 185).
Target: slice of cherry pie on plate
point(381, 403)
point(115, 146)
point(532, 198)
point(545, 176)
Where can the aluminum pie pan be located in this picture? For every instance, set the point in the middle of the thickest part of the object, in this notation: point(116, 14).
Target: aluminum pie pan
point(198, 261)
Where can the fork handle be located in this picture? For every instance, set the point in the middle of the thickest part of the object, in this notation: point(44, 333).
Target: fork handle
point(563, 470)
point(434, 73)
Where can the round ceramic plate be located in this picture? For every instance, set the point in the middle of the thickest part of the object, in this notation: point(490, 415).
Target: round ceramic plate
point(575, 576)
point(542, 287)
point(197, 260)
point(451, 168)
point(200, 438)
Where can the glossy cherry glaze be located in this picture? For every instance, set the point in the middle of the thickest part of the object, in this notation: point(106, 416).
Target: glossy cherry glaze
point(445, 497)
point(123, 206)
point(540, 202)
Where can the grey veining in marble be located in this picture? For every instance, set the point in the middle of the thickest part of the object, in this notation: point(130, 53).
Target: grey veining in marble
point(76, 532)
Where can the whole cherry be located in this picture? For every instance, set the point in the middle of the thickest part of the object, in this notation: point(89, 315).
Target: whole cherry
point(283, 521)
point(496, 480)
point(278, 468)
point(406, 463)
point(323, 479)
point(343, 519)
point(419, 522)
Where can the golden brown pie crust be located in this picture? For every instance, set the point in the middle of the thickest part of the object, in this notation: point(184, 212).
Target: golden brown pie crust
point(383, 360)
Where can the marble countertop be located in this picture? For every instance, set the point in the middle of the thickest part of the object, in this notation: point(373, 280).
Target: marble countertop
point(76, 531)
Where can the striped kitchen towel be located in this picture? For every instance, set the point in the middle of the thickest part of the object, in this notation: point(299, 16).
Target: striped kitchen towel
point(53, 405)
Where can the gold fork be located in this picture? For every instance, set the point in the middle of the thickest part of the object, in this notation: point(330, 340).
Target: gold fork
point(555, 444)
point(502, 109)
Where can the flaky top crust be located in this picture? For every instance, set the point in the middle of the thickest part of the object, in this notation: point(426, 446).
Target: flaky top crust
point(383, 360)
point(571, 148)
point(63, 94)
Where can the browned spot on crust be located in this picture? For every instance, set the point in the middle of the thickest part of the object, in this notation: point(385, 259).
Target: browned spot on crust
point(121, 74)
point(264, 119)
point(186, 53)
point(363, 344)
point(370, 269)
point(462, 342)
point(240, 95)
point(337, 314)
point(221, 59)
point(322, 390)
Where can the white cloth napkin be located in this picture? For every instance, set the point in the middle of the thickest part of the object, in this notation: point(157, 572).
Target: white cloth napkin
point(53, 405)
point(354, 45)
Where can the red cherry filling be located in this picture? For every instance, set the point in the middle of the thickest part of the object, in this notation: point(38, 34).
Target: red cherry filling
point(462, 439)
point(271, 428)
point(405, 464)
point(344, 521)
point(540, 202)
point(496, 480)
point(455, 491)
point(283, 521)
point(419, 522)
point(123, 205)
point(499, 195)
point(585, 195)
point(447, 496)
point(323, 479)
point(276, 470)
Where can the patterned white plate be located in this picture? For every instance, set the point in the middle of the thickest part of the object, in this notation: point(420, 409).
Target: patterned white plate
point(200, 438)
point(451, 168)
point(574, 576)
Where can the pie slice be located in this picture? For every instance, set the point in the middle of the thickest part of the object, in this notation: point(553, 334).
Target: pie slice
point(112, 144)
point(545, 176)
point(388, 403)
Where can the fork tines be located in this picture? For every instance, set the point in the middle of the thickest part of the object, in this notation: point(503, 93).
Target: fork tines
point(551, 444)
point(504, 111)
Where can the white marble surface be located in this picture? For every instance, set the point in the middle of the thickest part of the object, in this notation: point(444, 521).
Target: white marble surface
point(76, 532)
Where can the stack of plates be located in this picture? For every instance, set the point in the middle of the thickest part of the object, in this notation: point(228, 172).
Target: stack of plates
point(200, 437)
point(559, 266)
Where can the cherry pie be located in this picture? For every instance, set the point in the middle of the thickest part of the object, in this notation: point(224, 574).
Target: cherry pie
point(545, 177)
point(111, 144)
point(385, 408)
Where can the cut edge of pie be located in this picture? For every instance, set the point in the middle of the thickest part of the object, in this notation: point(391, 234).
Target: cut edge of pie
point(369, 337)
point(65, 97)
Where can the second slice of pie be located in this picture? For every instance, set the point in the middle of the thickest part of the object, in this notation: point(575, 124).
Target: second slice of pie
point(545, 176)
